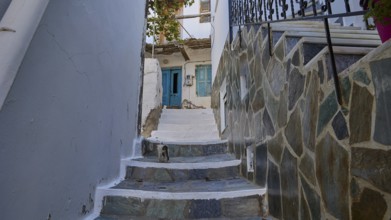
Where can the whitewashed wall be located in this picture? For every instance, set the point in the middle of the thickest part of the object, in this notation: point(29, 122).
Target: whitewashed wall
point(220, 31)
point(152, 91)
point(197, 57)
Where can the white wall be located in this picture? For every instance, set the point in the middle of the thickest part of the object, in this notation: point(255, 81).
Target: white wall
point(152, 90)
point(193, 25)
point(72, 111)
point(220, 31)
point(197, 57)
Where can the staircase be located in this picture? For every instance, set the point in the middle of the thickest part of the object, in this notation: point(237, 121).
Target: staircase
point(186, 126)
point(201, 179)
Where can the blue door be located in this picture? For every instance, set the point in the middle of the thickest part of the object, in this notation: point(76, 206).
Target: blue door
point(172, 87)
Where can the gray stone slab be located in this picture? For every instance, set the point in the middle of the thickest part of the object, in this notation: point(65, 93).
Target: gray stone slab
point(293, 132)
point(361, 76)
point(360, 120)
point(218, 185)
point(311, 108)
point(296, 87)
point(326, 111)
point(373, 166)
point(307, 168)
point(382, 82)
point(332, 171)
point(261, 165)
point(370, 206)
point(340, 127)
point(205, 209)
point(274, 191)
point(311, 50)
point(289, 186)
point(313, 200)
point(268, 124)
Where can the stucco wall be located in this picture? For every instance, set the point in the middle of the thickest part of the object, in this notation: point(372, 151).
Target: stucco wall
point(3, 7)
point(152, 89)
point(71, 113)
point(197, 57)
point(220, 31)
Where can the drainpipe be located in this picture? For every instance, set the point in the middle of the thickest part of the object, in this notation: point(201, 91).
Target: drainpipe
point(17, 28)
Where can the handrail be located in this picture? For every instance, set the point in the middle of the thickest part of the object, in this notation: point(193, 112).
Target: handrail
point(17, 28)
point(258, 12)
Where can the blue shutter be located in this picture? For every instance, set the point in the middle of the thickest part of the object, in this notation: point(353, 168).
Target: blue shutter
point(203, 80)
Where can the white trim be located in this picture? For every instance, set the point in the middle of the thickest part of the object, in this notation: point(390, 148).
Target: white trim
point(17, 28)
point(202, 142)
point(181, 166)
point(143, 194)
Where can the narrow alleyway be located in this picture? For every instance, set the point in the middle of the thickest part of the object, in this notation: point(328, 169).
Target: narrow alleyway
point(200, 180)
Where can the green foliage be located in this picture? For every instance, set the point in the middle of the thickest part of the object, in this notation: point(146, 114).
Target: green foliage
point(161, 18)
point(380, 10)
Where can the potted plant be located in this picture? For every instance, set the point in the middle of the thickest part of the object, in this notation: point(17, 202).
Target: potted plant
point(380, 11)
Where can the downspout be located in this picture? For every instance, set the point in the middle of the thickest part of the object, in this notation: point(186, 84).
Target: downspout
point(17, 28)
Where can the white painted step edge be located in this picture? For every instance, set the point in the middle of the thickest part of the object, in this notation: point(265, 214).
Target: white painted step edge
point(182, 166)
point(191, 142)
point(102, 192)
point(182, 195)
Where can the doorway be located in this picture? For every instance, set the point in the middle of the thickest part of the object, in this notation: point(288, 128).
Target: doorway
point(172, 87)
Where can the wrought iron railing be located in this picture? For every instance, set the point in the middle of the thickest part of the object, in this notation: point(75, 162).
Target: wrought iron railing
point(258, 12)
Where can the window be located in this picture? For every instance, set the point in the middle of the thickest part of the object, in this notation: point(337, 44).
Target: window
point(203, 80)
point(205, 8)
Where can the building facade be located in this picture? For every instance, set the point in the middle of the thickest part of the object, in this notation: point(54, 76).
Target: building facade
point(186, 66)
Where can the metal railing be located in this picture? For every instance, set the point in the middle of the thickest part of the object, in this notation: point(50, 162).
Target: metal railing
point(259, 12)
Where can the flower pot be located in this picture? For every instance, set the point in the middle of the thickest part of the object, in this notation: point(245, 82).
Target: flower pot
point(384, 30)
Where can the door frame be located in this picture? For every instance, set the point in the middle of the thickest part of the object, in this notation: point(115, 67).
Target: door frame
point(179, 84)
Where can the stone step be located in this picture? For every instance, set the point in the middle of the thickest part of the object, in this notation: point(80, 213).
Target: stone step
point(213, 167)
point(149, 148)
point(334, 35)
point(229, 198)
point(187, 117)
point(309, 24)
point(345, 57)
point(186, 127)
point(188, 111)
point(186, 120)
point(188, 136)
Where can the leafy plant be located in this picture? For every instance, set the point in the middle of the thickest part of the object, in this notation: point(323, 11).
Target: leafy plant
point(380, 10)
point(161, 18)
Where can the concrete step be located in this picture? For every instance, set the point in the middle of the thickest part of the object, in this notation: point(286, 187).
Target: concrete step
point(334, 35)
point(309, 24)
point(187, 127)
point(184, 135)
point(178, 149)
point(187, 117)
point(187, 111)
point(211, 167)
point(187, 120)
point(229, 198)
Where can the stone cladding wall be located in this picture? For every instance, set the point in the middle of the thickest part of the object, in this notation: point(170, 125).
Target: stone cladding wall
point(318, 160)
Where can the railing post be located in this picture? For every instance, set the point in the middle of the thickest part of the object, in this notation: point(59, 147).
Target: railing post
point(230, 21)
point(332, 59)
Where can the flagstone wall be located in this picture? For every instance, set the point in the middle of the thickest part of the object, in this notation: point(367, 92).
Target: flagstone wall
point(318, 159)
